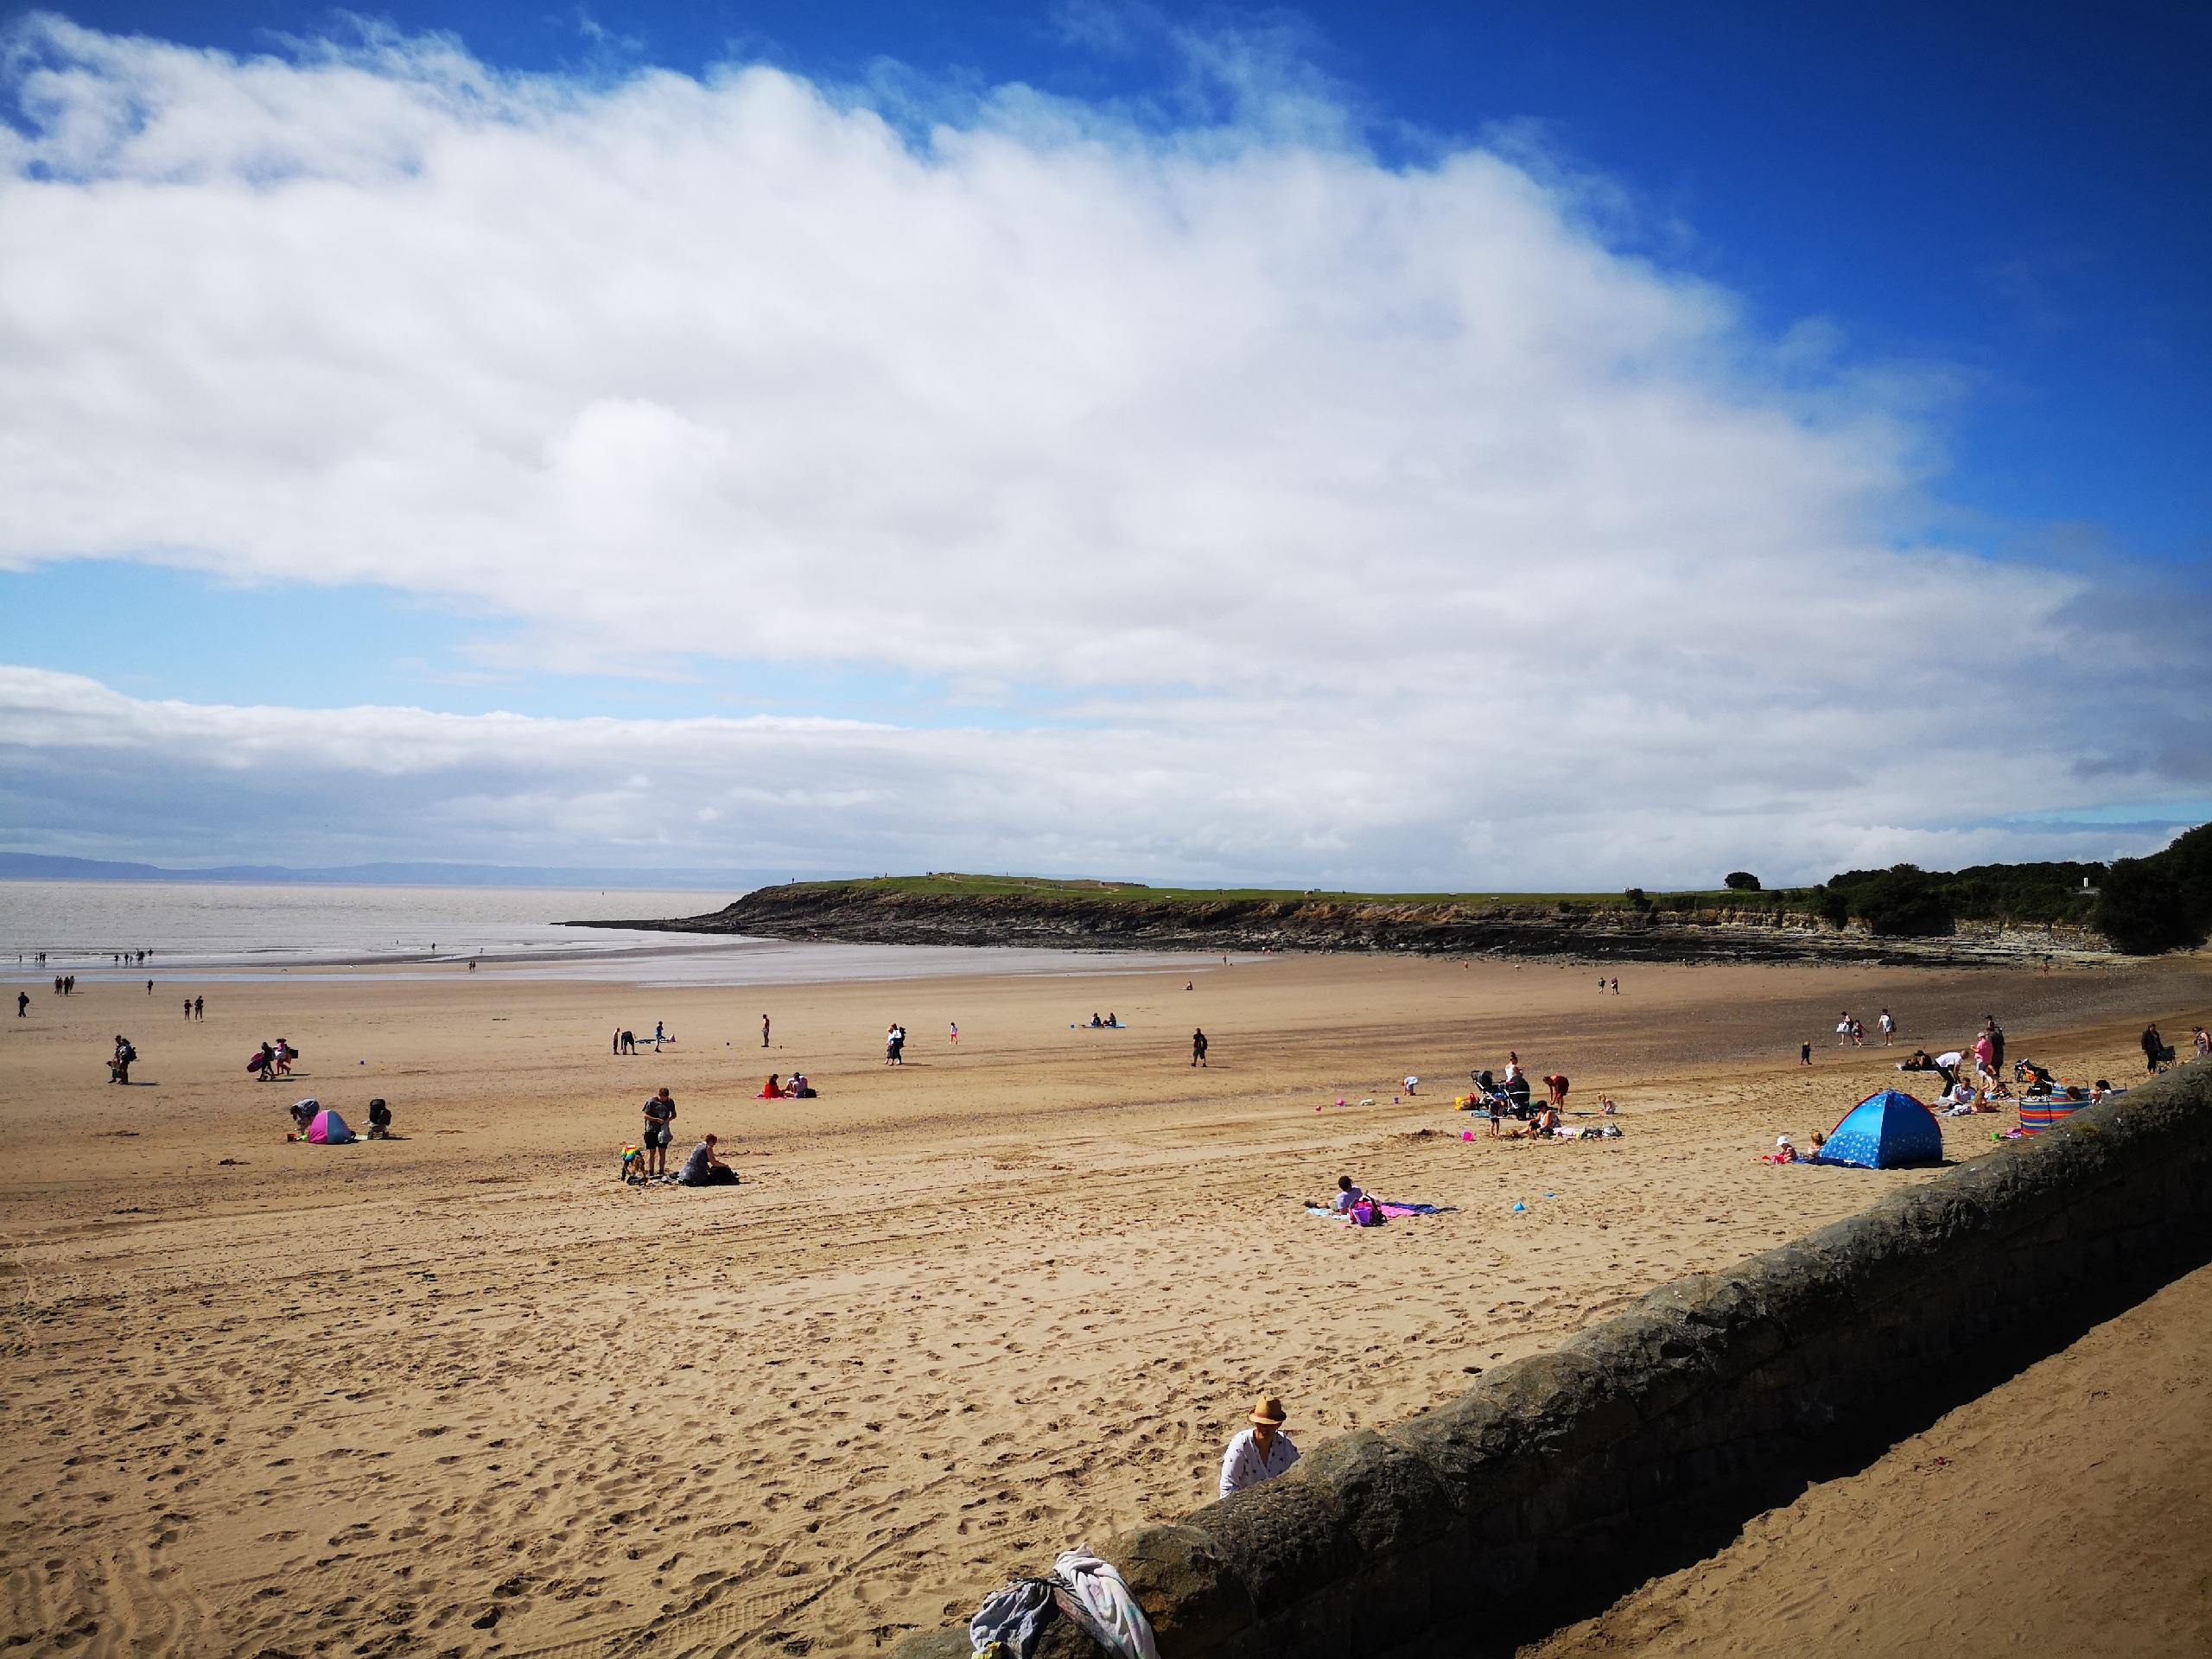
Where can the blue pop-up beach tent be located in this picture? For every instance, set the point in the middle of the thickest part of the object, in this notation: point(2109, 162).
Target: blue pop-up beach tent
point(1882, 1132)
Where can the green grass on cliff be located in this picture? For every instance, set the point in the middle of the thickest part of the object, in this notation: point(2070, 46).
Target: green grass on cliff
point(1131, 891)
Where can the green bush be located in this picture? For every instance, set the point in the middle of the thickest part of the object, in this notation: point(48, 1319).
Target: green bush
point(2160, 903)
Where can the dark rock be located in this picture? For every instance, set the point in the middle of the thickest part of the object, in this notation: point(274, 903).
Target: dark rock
point(1185, 1585)
point(1388, 1497)
point(950, 1642)
point(1283, 1540)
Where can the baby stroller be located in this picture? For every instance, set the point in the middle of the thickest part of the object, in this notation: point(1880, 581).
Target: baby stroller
point(2038, 1078)
point(1509, 1100)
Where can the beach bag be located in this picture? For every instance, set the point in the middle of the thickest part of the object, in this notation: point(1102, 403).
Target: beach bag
point(1365, 1214)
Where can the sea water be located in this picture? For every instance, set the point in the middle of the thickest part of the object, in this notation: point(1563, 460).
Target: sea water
point(254, 931)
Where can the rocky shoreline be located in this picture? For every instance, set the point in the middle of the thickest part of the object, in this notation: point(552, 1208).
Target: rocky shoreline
point(862, 912)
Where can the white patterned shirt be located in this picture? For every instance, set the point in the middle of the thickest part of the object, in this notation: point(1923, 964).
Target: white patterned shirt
point(1244, 1464)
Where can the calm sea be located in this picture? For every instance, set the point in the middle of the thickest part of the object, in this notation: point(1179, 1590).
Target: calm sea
point(252, 932)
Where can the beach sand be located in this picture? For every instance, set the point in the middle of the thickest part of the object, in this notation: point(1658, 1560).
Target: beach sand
point(465, 1392)
point(2064, 1512)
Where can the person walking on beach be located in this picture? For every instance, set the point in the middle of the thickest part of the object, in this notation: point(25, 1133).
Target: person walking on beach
point(187, 1007)
point(764, 1031)
point(1804, 1053)
point(953, 1032)
point(23, 1004)
point(1843, 1029)
point(659, 1036)
point(2154, 1047)
point(660, 1113)
point(1889, 1028)
point(199, 1007)
point(118, 1068)
point(614, 1043)
point(1259, 1453)
point(1198, 1047)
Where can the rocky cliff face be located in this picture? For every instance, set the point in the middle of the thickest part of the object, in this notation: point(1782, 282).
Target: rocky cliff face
point(1127, 921)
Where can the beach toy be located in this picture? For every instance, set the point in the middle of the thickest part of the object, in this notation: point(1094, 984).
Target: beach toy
point(1518, 1208)
point(1466, 1135)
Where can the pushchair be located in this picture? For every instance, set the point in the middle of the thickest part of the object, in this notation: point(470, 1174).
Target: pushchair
point(2038, 1078)
point(1508, 1100)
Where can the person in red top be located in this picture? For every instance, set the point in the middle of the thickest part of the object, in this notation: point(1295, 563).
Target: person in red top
point(772, 1089)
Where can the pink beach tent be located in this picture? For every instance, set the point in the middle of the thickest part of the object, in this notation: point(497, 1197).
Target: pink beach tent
point(328, 1130)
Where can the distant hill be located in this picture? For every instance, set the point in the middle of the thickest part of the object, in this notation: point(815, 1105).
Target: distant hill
point(40, 866)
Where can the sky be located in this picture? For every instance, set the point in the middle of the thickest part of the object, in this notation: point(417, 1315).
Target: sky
point(1393, 446)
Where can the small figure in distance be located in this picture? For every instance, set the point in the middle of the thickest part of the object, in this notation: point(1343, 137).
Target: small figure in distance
point(1616, 984)
point(772, 1089)
point(954, 1027)
point(660, 1112)
point(1556, 1087)
point(1189, 986)
point(796, 1087)
point(1198, 1047)
point(1889, 1024)
point(199, 1007)
point(265, 1065)
point(149, 987)
point(1260, 1452)
point(23, 1005)
point(302, 1113)
point(2154, 1047)
point(2204, 1041)
point(1605, 1105)
point(284, 1054)
point(187, 1007)
point(614, 1043)
point(1410, 1081)
point(629, 1043)
point(118, 1068)
point(1095, 1022)
point(379, 1121)
point(1804, 1053)
point(764, 1031)
point(704, 1168)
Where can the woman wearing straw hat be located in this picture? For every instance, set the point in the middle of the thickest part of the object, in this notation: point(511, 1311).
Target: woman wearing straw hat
point(1260, 1452)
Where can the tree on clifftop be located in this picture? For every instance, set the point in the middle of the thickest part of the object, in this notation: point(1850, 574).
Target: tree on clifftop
point(2160, 903)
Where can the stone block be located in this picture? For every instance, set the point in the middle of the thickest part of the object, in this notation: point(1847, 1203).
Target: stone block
point(1387, 1495)
point(1194, 1600)
point(1284, 1540)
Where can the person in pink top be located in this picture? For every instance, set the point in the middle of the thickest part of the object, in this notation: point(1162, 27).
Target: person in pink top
point(1985, 1056)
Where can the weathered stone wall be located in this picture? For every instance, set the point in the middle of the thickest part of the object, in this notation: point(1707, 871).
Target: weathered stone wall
point(1564, 1479)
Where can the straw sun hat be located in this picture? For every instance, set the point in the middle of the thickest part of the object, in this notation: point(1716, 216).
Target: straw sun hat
point(1270, 1412)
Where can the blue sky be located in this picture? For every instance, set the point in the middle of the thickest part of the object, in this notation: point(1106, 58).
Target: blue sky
point(1963, 255)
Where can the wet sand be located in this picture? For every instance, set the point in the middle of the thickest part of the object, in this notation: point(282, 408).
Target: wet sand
point(466, 1392)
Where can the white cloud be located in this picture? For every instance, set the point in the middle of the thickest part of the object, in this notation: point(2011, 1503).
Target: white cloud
point(1379, 522)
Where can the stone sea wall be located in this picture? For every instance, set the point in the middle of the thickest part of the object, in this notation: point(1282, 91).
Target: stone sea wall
point(1562, 1480)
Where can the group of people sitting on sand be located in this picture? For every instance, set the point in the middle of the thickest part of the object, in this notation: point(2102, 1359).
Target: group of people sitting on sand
point(1111, 1022)
point(796, 1088)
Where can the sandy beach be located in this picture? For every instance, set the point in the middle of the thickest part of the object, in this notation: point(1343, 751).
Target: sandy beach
point(464, 1392)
